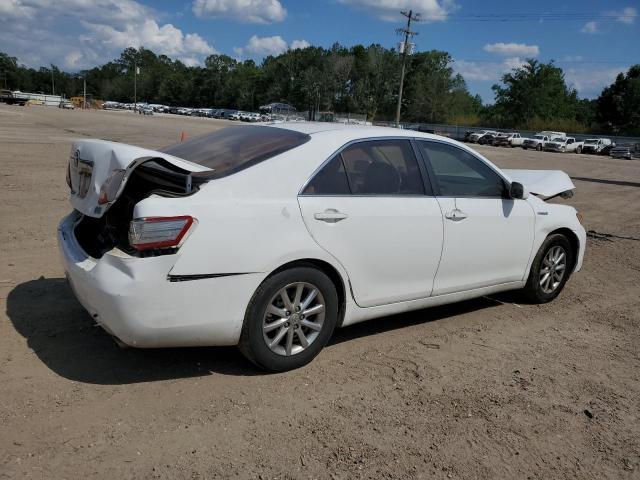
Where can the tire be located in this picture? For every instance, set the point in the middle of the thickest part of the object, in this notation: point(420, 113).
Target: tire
point(579, 150)
point(539, 148)
point(563, 149)
point(289, 353)
point(537, 290)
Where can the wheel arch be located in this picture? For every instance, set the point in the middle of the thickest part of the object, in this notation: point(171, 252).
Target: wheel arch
point(329, 270)
point(573, 241)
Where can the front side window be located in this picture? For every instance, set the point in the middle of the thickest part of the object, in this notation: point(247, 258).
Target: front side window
point(460, 174)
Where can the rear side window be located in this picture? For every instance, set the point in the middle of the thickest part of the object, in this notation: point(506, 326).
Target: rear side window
point(331, 180)
point(233, 149)
point(376, 167)
point(383, 167)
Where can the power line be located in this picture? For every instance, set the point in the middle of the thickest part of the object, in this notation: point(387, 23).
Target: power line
point(535, 17)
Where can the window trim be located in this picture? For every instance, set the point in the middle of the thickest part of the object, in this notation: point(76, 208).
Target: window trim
point(424, 174)
point(434, 181)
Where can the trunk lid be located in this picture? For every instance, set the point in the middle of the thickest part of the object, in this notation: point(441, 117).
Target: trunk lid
point(546, 183)
point(94, 164)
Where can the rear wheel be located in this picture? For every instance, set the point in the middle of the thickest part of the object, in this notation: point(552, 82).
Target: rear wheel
point(289, 319)
point(550, 269)
point(579, 150)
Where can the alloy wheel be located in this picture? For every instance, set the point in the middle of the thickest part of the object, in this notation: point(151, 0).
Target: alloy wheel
point(553, 270)
point(294, 318)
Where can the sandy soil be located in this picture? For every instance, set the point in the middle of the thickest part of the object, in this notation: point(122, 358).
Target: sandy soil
point(484, 389)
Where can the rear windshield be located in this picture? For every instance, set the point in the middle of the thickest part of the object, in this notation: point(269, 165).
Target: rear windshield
point(233, 149)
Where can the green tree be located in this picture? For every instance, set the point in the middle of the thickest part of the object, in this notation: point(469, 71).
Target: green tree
point(618, 107)
point(534, 91)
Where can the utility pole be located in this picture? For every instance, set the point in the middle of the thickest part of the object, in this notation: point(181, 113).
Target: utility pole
point(406, 48)
point(53, 85)
point(135, 88)
point(84, 91)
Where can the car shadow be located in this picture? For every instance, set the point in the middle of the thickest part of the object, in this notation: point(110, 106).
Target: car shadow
point(64, 337)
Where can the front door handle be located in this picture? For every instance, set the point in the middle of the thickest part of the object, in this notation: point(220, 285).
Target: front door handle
point(330, 215)
point(455, 215)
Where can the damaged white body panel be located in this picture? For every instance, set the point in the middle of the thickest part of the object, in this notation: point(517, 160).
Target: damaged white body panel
point(546, 183)
point(172, 250)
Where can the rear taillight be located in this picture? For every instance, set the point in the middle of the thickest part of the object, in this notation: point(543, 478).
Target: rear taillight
point(109, 189)
point(158, 232)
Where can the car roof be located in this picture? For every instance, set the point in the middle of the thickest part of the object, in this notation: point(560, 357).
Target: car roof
point(352, 131)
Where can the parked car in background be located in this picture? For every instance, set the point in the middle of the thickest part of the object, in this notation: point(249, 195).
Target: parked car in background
point(536, 142)
point(598, 146)
point(476, 136)
point(563, 144)
point(145, 110)
point(488, 138)
point(67, 105)
point(510, 139)
point(627, 150)
point(516, 140)
point(8, 97)
point(160, 246)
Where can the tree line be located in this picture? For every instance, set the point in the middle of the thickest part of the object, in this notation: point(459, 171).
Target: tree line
point(358, 79)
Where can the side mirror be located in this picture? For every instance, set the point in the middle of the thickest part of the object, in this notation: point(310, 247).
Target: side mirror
point(517, 191)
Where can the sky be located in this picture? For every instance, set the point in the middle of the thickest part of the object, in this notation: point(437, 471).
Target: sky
point(591, 40)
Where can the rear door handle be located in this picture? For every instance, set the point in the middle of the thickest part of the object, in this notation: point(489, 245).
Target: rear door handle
point(330, 215)
point(455, 215)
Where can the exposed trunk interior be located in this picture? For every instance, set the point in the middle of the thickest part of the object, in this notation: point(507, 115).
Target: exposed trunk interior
point(100, 235)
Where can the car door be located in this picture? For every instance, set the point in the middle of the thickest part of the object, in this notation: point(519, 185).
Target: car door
point(488, 236)
point(370, 207)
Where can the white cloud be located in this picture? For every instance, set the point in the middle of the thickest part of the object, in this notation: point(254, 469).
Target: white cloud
point(627, 15)
point(252, 11)
point(590, 79)
point(299, 44)
point(512, 49)
point(165, 39)
point(81, 33)
point(486, 71)
point(389, 10)
point(590, 28)
point(263, 46)
point(15, 9)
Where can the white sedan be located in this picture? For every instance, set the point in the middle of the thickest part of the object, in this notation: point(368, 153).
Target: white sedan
point(269, 237)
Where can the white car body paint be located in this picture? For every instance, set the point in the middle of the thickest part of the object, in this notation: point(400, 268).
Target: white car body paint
point(254, 221)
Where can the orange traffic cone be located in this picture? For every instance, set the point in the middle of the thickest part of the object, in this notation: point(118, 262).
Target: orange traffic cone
point(183, 136)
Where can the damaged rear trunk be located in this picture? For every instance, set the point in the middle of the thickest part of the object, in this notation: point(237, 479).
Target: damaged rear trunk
point(108, 179)
point(153, 177)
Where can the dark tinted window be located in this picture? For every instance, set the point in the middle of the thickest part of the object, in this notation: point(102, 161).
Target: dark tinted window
point(331, 180)
point(460, 174)
point(232, 149)
point(383, 167)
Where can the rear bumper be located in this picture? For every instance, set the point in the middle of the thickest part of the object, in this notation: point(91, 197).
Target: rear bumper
point(132, 298)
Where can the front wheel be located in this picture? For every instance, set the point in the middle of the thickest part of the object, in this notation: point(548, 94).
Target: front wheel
point(550, 270)
point(290, 318)
point(539, 148)
point(579, 150)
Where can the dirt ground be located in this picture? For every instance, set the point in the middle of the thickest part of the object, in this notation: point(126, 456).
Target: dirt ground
point(484, 389)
